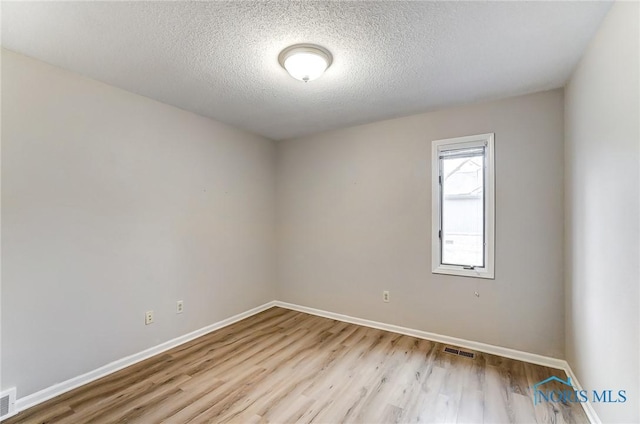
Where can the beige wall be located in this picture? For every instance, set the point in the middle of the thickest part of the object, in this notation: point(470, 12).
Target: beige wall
point(354, 219)
point(602, 211)
point(114, 204)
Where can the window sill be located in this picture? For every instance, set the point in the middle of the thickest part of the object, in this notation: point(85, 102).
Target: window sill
point(461, 272)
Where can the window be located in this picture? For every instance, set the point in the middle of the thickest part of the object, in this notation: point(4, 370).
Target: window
point(463, 206)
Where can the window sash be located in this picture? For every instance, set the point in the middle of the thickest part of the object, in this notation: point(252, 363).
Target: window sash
point(461, 153)
point(461, 147)
point(464, 152)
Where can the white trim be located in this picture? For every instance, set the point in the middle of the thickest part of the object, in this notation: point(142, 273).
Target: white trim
point(486, 140)
point(587, 406)
point(60, 388)
point(519, 355)
point(481, 347)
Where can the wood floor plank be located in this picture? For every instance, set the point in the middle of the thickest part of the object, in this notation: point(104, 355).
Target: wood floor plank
point(471, 406)
point(283, 366)
point(523, 409)
point(497, 407)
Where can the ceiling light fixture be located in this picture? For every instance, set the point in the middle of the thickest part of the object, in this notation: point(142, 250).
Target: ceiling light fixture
point(305, 62)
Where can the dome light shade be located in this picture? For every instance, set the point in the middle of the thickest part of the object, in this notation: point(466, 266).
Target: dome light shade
point(305, 62)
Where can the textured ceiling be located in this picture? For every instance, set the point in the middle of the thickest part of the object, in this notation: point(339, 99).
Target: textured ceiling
point(219, 59)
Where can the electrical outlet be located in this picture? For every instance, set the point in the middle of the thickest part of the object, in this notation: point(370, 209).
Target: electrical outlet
point(179, 307)
point(385, 296)
point(148, 317)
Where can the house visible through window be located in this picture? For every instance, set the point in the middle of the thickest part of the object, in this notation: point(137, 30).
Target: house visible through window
point(463, 206)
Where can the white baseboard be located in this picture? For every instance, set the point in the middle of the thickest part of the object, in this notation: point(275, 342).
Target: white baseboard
point(60, 388)
point(481, 347)
point(478, 346)
point(587, 406)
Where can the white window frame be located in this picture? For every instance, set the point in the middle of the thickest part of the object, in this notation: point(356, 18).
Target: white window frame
point(489, 206)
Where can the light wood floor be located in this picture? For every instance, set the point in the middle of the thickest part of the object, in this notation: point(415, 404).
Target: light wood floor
point(283, 366)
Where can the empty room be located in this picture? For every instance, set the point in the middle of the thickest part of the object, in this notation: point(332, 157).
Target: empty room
point(320, 212)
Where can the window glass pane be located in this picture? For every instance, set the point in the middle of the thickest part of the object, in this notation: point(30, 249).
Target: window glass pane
point(463, 208)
